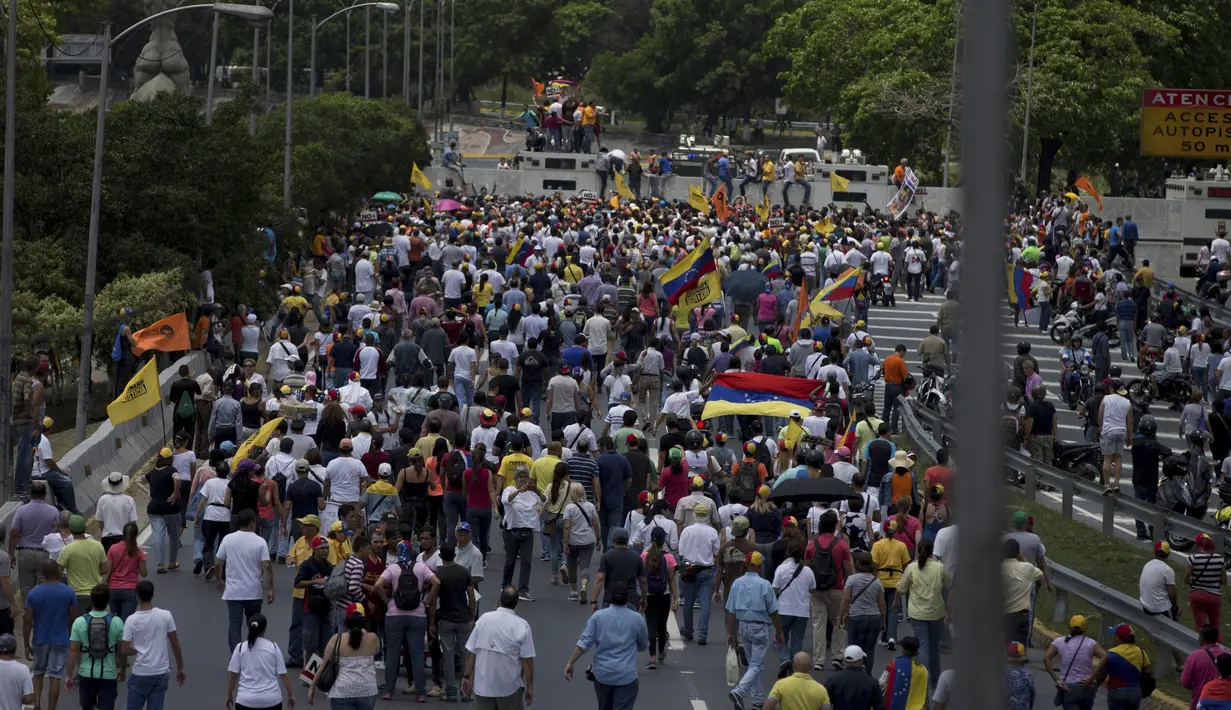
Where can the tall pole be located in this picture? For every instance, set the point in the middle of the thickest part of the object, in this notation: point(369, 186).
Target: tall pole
point(96, 196)
point(312, 63)
point(348, 52)
point(384, 56)
point(957, 33)
point(1034, 23)
point(6, 257)
point(422, 12)
point(979, 654)
point(269, 68)
point(256, 52)
point(406, 54)
point(213, 67)
point(440, 67)
point(367, 52)
point(452, 56)
point(290, 75)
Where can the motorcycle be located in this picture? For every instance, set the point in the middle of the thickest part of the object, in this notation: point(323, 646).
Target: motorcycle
point(1175, 392)
point(1080, 390)
point(1089, 330)
point(882, 292)
point(935, 391)
point(1080, 458)
point(1065, 324)
point(1185, 487)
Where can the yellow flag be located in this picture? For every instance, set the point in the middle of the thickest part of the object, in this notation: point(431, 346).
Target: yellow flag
point(793, 432)
point(256, 440)
point(696, 199)
point(825, 226)
point(622, 188)
point(763, 208)
point(837, 183)
point(614, 202)
point(138, 397)
point(418, 178)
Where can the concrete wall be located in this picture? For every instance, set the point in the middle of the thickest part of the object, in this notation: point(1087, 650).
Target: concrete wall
point(124, 448)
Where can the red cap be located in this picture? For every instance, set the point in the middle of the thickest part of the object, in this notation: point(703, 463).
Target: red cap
point(643, 497)
point(1123, 631)
point(631, 439)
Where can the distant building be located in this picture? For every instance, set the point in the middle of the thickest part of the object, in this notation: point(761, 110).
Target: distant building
point(76, 52)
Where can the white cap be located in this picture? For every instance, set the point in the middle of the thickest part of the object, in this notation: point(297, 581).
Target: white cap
point(852, 654)
point(384, 470)
point(251, 318)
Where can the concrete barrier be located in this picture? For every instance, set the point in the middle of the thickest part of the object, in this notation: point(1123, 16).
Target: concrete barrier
point(124, 448)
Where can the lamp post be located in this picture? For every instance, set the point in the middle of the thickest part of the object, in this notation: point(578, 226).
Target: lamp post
point(253, 13)
point(406, 56)
point(384, 56)
point(1034, 23)
point(256, 46)
point(213, 67)
point(367, 53)
point(290, 95)
point(6, 256)
point(422, 12)
point(386, 7)
point(452, 56)
point(957, 30)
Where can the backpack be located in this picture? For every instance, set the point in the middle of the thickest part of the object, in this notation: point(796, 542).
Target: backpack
point(407, 596)
point(856, 536)
point(823, 567)
point(98, 637)
point(657, 583)
point(762, 454)
point(335, 586)
point(185, 408)
point(1009, 429)
point(746, 478)
point(455, 469)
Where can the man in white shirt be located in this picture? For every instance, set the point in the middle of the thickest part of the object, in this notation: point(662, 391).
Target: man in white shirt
point(453, 282)
point(343, 479)
point(521, 520)
point(1157, 584)
point(365, 278)
point(882, 262)
point(597, 328)
point(533, 432)
point(698, 546)
point(280, 357)
point(242, 564)
point(115, 508)
point(370, 364)
point(358, 311)
point(148, 633)
point(500, 657)
point(915, 258)
point(463, 365)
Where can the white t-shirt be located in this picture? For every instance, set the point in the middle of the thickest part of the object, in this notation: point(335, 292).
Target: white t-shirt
point(207, 283)
point(344, 475)
point(463, 358)
point(15, 681)
point(914, 260)
point(249, 338)
point(453, 282)
point(245, 554)
point(844, 471)
point(365, 276)
point(597, 329)
point(147, 632)
point(1155, 576)
point(793, 595)
point(881, 261)
point(214, 491)
point(945, 548)
point(37, 467)
point(617, 384)
point(680, 403)
point(182, 463)
point(258, 668)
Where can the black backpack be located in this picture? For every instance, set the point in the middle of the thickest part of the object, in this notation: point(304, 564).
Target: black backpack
point(747, 477)
point(455, 469)
point(823, 567)
point(762, 454)
point(98, 637)
point(407, 596)
point(657, 583)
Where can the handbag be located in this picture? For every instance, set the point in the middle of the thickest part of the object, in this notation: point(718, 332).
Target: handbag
point(732, 667)
point(328, 674)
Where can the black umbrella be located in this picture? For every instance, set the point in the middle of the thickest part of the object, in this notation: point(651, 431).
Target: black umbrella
point(812, 490)
point(744, 286)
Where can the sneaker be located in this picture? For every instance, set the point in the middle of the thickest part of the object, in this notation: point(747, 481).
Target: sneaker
point(420, 699)
point(467, 698)
point(450, 698)
point(662, 658)
point(293, 664)
point(436, 692)
point(817, 667)
point(891, 645)
point(573, 596)
point(583, 596)
point(736, 699)
point(836, 664)
point(484, 563)
point(564, 578)
point(525, 596)
point(380, 665)
point(196, 567)
point(784, 670)
point(701, 642)
point(652, 665)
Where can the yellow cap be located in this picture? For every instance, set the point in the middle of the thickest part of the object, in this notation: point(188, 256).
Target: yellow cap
point(1079, 622)
point(48, 422)
point(763, 492)
point(754, 559)
point(165, 453)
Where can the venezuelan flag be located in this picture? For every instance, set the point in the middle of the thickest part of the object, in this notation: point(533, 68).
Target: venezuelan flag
point(843, 287)
point(519, 252)
point(848, 439)
point(1021, 283)
point(907, 688)
point(753, 393)
point(1214, 696)
point(741, 344)
point(695, 272)
point(773, 269)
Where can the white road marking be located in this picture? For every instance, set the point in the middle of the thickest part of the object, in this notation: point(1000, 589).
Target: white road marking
point(676, 640)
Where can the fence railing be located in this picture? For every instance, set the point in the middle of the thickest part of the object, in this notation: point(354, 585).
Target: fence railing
point(1112, 604)
point(1219, 312)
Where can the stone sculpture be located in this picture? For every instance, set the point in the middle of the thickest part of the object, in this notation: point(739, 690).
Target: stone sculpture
point(161, 65)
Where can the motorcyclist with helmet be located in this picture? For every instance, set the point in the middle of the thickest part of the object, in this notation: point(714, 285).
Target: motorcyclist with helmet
point(1170, 369)
point(1148, 452)
point(1071, 359)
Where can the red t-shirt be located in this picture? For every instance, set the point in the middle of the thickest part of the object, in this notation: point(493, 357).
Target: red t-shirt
point(476, 488)
point(907, 536)
point(674, 482)
point(125, 568)
point(940, 475)
point(841, 555)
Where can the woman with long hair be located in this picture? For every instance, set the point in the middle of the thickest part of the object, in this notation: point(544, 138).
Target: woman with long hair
point(252, 409)
point(662, 598)
point(1071, 659)
point(792, 581)
point(765, 521)
point(936, 514)
point(553, 517)
point(331, 430)
point(923, 584)
point(355, 686)
point(481, 494)
point(127, 568)
point(256, 667)
point(863, 613)
point(581, 532)
point(909, 530)
point(412, 483)
point(203, 473)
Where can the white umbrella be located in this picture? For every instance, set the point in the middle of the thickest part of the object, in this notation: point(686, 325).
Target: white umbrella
point(617, 153)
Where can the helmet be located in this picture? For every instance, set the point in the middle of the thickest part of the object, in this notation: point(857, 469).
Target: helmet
point(1147, 426)
point(1023, 348)
point(1223, 515)
point(694, 438)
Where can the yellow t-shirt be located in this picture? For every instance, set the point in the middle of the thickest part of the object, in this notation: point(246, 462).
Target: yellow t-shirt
point(299, 552)
point(543, 471)
point(587, 116)
point(767, 173)
point(573, 273)
point(298, 303)
point(891, 558)
point(924, 587)
point(483, 295)
point(510, 464)
point(82, 560)
point(800, 691)
point(318, 245)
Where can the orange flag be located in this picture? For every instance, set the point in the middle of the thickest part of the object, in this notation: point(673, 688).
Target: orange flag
point(719, 199)
point(801, 309)
point(170, 334)
point(538, 87)
point(1083, 183)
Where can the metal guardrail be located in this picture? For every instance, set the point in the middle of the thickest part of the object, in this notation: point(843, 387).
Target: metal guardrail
point(1219, 312)
point(1071, 487)
point(1115, 606)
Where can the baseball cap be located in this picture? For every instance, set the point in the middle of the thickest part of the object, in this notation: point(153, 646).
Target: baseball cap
point(319, 541)
point(346, 444)
point(697, 482)
point(165, 453)
point(336, 526)
point(619, 535)
point(76, 524)
point(790, 522)
point(644, 497)
point(853, 654)
point(1205, 541)
point(384, 470)
point(302, 465)
point(763, 492)
point(8, 643)
point(463, 526)
point(739, 525)
point(1123, 631)
point(754, 558)
point(1077, 621)
point(285, 389)
point(310, 520)
point(1162, 546)
point(701, 510)
point(631, 439)
point(658, 534)
point(626, 396)
point(527, 412)
point(354, 610)
point(750, 447)
point(1016, 650)
point(227, 446)
point(1020, 518)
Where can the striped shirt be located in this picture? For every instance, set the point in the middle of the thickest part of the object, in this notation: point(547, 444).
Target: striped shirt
point(353, 571)
point(1207, 572)
point(583, 470)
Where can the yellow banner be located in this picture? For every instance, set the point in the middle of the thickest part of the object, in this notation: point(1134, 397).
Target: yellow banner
point(622, 188)
point(837, 183)
point(418, 178)
point(763, 208)
point(257, 440)
point(138, 397)
point(696, 199)
point(793, 432)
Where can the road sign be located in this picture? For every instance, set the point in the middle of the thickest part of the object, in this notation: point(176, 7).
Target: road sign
point(1185, 123)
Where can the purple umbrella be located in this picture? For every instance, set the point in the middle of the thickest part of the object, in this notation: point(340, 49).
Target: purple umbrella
point(449, 205)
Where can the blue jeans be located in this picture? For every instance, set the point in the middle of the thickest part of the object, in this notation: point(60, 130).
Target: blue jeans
point(794, 628)
point(1044, 315)
point(198, 542)
point(1124, 699)
point(754, 637)
point(294, 638)
point(480, 520)
point(23, 436)
point(611, 517)
point(455, 512)
point(555, 546)
point(1128, 348)
point(364, 703)
point(165, 534)
point(123, 603)
point(617, 697)
point(341, 376)
point(532, 397)
point(239, 612)
point(1149, 495)
point(147, 691)
point(62, 487)
point(862, 631)
point(700, 588)
point(411, 632)
point(464, 389)
point(929, 632)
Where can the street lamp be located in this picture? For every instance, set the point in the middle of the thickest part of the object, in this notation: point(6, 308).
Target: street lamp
point(252, 13)
point(388, 7)
point(255, 14)
point(1034, 23)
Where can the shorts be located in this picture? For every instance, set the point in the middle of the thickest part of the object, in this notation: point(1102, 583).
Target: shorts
point(1112, 443)
point(50, 660)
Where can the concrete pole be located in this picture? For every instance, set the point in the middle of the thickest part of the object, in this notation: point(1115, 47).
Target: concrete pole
point(312, 63)
point(290, 96)
point(209, 81)
point(422, 12)
point(367, 52)
point(406, 54)
point(384, 56)
point(256, 50)
point(1034, 23)
point(6, 256)
point(348, 52)
point(957, 33)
